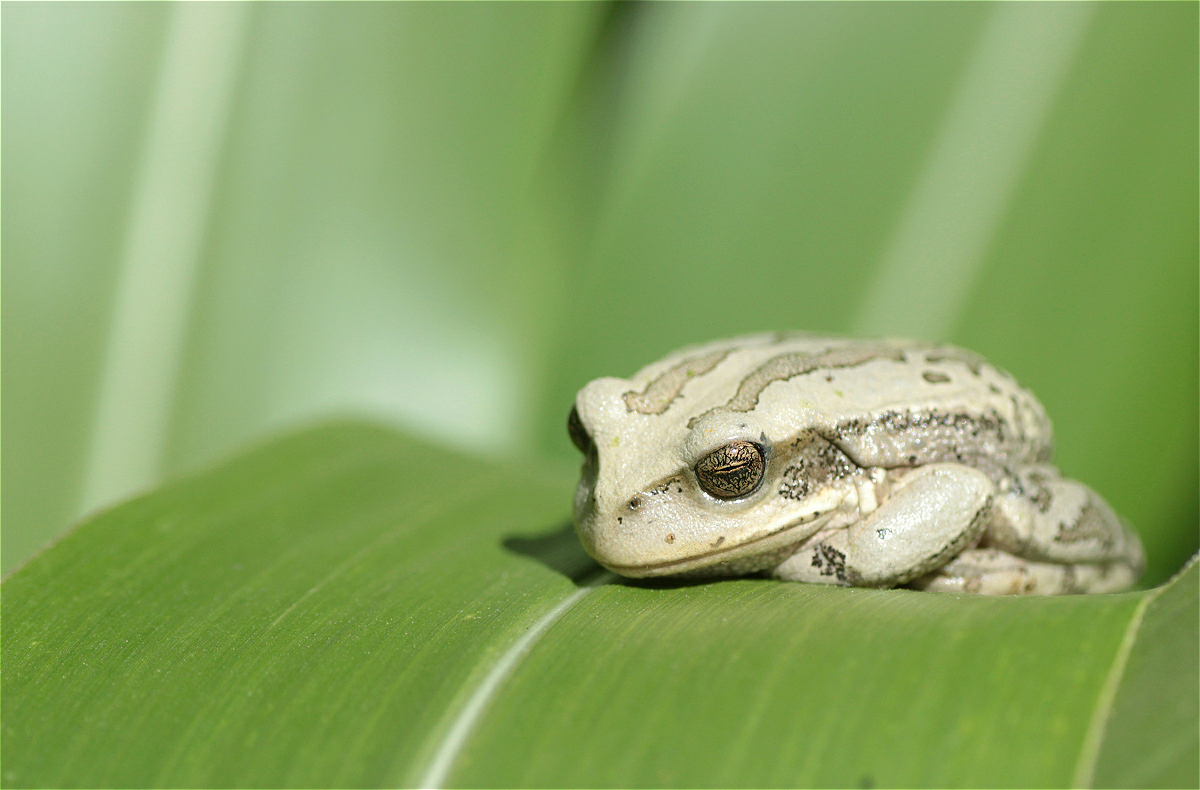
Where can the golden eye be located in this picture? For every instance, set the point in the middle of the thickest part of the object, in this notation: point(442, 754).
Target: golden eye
point(732, 471)
point(579, 434)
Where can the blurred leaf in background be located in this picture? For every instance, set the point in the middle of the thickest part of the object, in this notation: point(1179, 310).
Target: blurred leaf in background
point(224, 220)
point(452, 216)
point(369, 238)
point(76, 86)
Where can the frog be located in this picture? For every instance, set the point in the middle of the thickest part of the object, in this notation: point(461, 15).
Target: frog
point(877, 462)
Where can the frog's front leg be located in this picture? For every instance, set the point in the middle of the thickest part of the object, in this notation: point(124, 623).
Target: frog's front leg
point(932, 514)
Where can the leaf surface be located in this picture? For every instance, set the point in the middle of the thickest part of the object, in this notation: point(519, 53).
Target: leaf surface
point(350, 607)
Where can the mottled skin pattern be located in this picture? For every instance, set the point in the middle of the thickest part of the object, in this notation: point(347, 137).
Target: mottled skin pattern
point(855, 462)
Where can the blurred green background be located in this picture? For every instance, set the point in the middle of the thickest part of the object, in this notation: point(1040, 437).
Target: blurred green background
point(222, 220)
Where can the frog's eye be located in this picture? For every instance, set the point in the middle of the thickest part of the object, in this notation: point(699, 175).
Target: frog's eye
point(732, 471)
point(579, 434)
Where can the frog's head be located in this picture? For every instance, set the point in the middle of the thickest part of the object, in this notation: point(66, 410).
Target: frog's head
point(672, 482)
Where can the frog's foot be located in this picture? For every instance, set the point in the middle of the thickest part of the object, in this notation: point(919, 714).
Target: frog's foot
point(1046, 518)
point(996, 572)
point(934, 512)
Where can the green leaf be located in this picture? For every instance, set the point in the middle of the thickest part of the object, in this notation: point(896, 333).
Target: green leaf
point(1152, 727)
point(350, 607)
point(451, 216)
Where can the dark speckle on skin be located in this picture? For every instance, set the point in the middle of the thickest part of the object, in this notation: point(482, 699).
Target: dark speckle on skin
point(635, 503)
point(933, 377)
point(718, 541)
point(670, 537)
point(814, 463)
point(973, 361)
point(830, 562)
point(666, 487)
point(1037, 492)
point(901, 422)
point(934, 436)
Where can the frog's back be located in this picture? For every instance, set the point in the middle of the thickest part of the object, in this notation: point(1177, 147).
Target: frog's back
point(885, 402)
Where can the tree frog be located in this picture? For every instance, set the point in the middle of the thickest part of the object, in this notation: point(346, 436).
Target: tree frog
point(870, 463)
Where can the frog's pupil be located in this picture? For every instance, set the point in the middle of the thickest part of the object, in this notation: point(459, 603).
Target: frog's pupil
point(579, 435)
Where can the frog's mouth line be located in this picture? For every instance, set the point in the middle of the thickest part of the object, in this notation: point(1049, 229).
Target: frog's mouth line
point(778, 538)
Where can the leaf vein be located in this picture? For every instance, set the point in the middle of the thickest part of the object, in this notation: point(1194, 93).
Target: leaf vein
point(1089, 750)
point(466, 719)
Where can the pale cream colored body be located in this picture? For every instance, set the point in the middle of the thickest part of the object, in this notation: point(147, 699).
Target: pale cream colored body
point(855, 462)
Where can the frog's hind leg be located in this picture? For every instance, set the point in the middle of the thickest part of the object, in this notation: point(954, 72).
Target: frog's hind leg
point(1046, 536)
point(996, 572)
point(1045, 518)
